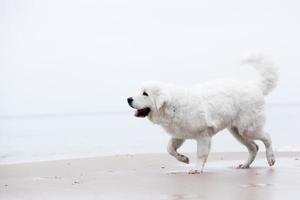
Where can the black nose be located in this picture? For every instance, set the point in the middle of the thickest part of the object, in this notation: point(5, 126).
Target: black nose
point(130, 100)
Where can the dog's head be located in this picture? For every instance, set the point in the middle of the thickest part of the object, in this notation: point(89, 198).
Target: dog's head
point(151, 98)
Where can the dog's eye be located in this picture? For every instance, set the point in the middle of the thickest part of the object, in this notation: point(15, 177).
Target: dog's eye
point(145, 94)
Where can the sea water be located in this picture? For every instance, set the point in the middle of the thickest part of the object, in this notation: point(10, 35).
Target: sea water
point(51, 137)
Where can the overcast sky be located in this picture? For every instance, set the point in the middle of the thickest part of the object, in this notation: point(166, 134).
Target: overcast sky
point(63, 56)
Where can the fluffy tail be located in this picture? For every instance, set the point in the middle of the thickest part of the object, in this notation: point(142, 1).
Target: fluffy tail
point(267, 71)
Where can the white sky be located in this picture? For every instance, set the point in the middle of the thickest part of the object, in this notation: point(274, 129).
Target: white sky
point(63, 56)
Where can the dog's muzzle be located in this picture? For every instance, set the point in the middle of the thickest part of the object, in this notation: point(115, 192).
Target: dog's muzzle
point(139, 112)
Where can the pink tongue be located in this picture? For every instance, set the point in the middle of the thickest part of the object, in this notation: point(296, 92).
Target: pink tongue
point(136, 113)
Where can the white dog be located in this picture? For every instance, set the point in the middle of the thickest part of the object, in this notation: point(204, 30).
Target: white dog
point(201, 111)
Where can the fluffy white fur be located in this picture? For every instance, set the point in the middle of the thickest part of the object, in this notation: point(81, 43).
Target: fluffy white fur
point(201, 111)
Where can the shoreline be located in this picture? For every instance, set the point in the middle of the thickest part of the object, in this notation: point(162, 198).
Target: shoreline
point(212, 156)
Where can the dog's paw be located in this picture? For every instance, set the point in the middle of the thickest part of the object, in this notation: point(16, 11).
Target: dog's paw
point(271, 159)
point(183, 159)
point(243, 166)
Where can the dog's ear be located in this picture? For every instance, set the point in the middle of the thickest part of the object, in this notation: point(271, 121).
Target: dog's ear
point(161, 98)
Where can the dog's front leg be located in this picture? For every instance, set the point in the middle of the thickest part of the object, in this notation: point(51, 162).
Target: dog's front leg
point(173, 145)
point(203, 149)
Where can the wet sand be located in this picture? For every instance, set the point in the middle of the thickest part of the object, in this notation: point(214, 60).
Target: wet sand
point(151, 176)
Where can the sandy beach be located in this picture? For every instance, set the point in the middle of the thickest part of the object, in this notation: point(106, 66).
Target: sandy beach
point(151, 176)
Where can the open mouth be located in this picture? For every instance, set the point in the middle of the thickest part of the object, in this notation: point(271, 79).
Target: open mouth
point(142, 112)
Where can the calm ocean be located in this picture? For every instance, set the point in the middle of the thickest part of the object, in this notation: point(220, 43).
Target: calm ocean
point(51, 137)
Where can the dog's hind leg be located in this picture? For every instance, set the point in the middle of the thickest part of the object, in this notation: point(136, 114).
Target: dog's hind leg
point(175, 144)
point(251, 146)
point(266, 139)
